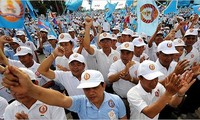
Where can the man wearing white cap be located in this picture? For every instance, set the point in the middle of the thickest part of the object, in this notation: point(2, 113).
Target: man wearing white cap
point(25, 42)
point(149, 97)
point(179, 45)
point(127, 35)
point(122, 73)
point(139, 47)
point(61, 62)
point(43, 39)
point(104, 56)
point(95, 104)
point(26, 107)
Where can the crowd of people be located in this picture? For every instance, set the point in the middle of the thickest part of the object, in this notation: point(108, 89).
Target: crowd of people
point(94, 69)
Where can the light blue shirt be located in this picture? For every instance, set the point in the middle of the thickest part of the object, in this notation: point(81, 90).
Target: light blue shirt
point(86, 110)
point(9, 53)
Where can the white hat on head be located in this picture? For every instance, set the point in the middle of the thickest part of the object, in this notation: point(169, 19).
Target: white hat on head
point(135, 34)
point(29, 72)
point(193, 32)
point(127, 31)
point(167, 47)
point(149, 70)
point(51, 37)
point(64, 37)
point(70, 29)
point(20, 32)
point(178, 42)
point(143, 35)
point(159, 33)
point(90, 79)
point(77, 57)
point(119, 34)
point(23, 50)
point(127, 46)
point(138, 42)
point(16, 40)
point(104, 35)
point(43, 30)
point(116, 28)
point(114, 37)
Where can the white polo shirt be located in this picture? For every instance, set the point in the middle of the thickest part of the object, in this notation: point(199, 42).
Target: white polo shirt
point(152, 52)
point(104, 61)
point(63, 61)
point(3, 105)
point(164, 70)
point(69, 81)
point(121, 87)
point(38, 111)
point(138, 99)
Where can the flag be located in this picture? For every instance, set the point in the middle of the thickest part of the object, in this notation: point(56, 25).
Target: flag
point(47, 26)
point(183, 3)
point(129, 3)
point(197, 2)
point(147, 16)
point(171, 8)
point(12, 13)
point(31, 10)
point(55, 21)
point(109, 8)
point(196, 9)
point(73, 5)
point(28, 34)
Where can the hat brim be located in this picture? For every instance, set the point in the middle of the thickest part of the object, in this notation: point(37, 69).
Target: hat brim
point(20, 54)
point(81, 61)
point(88, 85)
point(153, 75)
point(170, 51)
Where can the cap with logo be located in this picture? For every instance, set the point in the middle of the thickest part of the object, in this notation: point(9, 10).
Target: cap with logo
point(64, 37)
point(167, 47)
point(114, 37)
point(193, 32)
point(23, 50)
point(149, 70)
point(20, 32)
point(104, 36)
point(29, 72)
point(43, 30)
point(51, 37)
point(127, 46)
point(77, 57)
point(127, 31)
point(16, 40)
point(178, 42)
point(138, 42)
point(71, 30)
point(90, 79)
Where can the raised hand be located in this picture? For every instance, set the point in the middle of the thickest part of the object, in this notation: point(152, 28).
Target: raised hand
point(88, 21)
point(59, 51)
point(181, 66)
point(5, 39)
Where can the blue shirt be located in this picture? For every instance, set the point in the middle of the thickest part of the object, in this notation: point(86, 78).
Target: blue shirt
point(9, 53)
point(111, 108)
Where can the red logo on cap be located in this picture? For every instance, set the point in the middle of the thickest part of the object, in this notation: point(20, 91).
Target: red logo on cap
point(104, 34)
point(192, 55)
point(180, 41)
point(19, 49)
point(87, 76)
point(151, 67)
point(62, 36)
point(126, 45)
point(113, 35)
point(169, 45)
point(191, 30)
point(75, 55)
point(140, 40)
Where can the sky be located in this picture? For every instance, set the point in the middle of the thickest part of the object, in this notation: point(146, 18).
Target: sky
point(99, 4)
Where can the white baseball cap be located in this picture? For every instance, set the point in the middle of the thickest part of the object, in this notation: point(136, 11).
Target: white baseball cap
point(138, 42)
point(64, 37)
point(193, 32)
point(104, 35)
point(127, 31)
point(70, 29)
point(20, 32)
point(119, 34)
point(159, 33)
point(127, 46)
point(149, 70)
point(29, 72)
point(135, 34)
point(16, 40)
point(23, 50)
point(143, 35)
point(114, 37)
point(90, 79)
point(116, 28)
point(77, 57)
point(178, 42)
point(43, 30)
point(167, 47)
point(51, 37)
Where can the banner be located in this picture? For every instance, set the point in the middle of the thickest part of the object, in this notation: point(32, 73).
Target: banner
point(109, 8)
point(73, 5)
point(147, 16)
point(12, 13)
point(47, 26)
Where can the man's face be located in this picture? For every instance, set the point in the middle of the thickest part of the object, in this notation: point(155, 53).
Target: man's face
point(126, 56)
point(106, 44)
point(190, 40)
point(165, 59)
point(76, 68)
point(148, 85)
point(95, 94)
point(67, 47)
point(138, 51)
point(26, 60)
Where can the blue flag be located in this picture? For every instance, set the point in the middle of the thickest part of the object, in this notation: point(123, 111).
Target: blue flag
point(171, 8)
point(129, 3)
point(147, 16)
point(109, 8)
point(28, 34)
point(73, 5)
point(196, 9)
point(31, 10)
point(183, 3)
point(47, 26)
point(12, 13)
